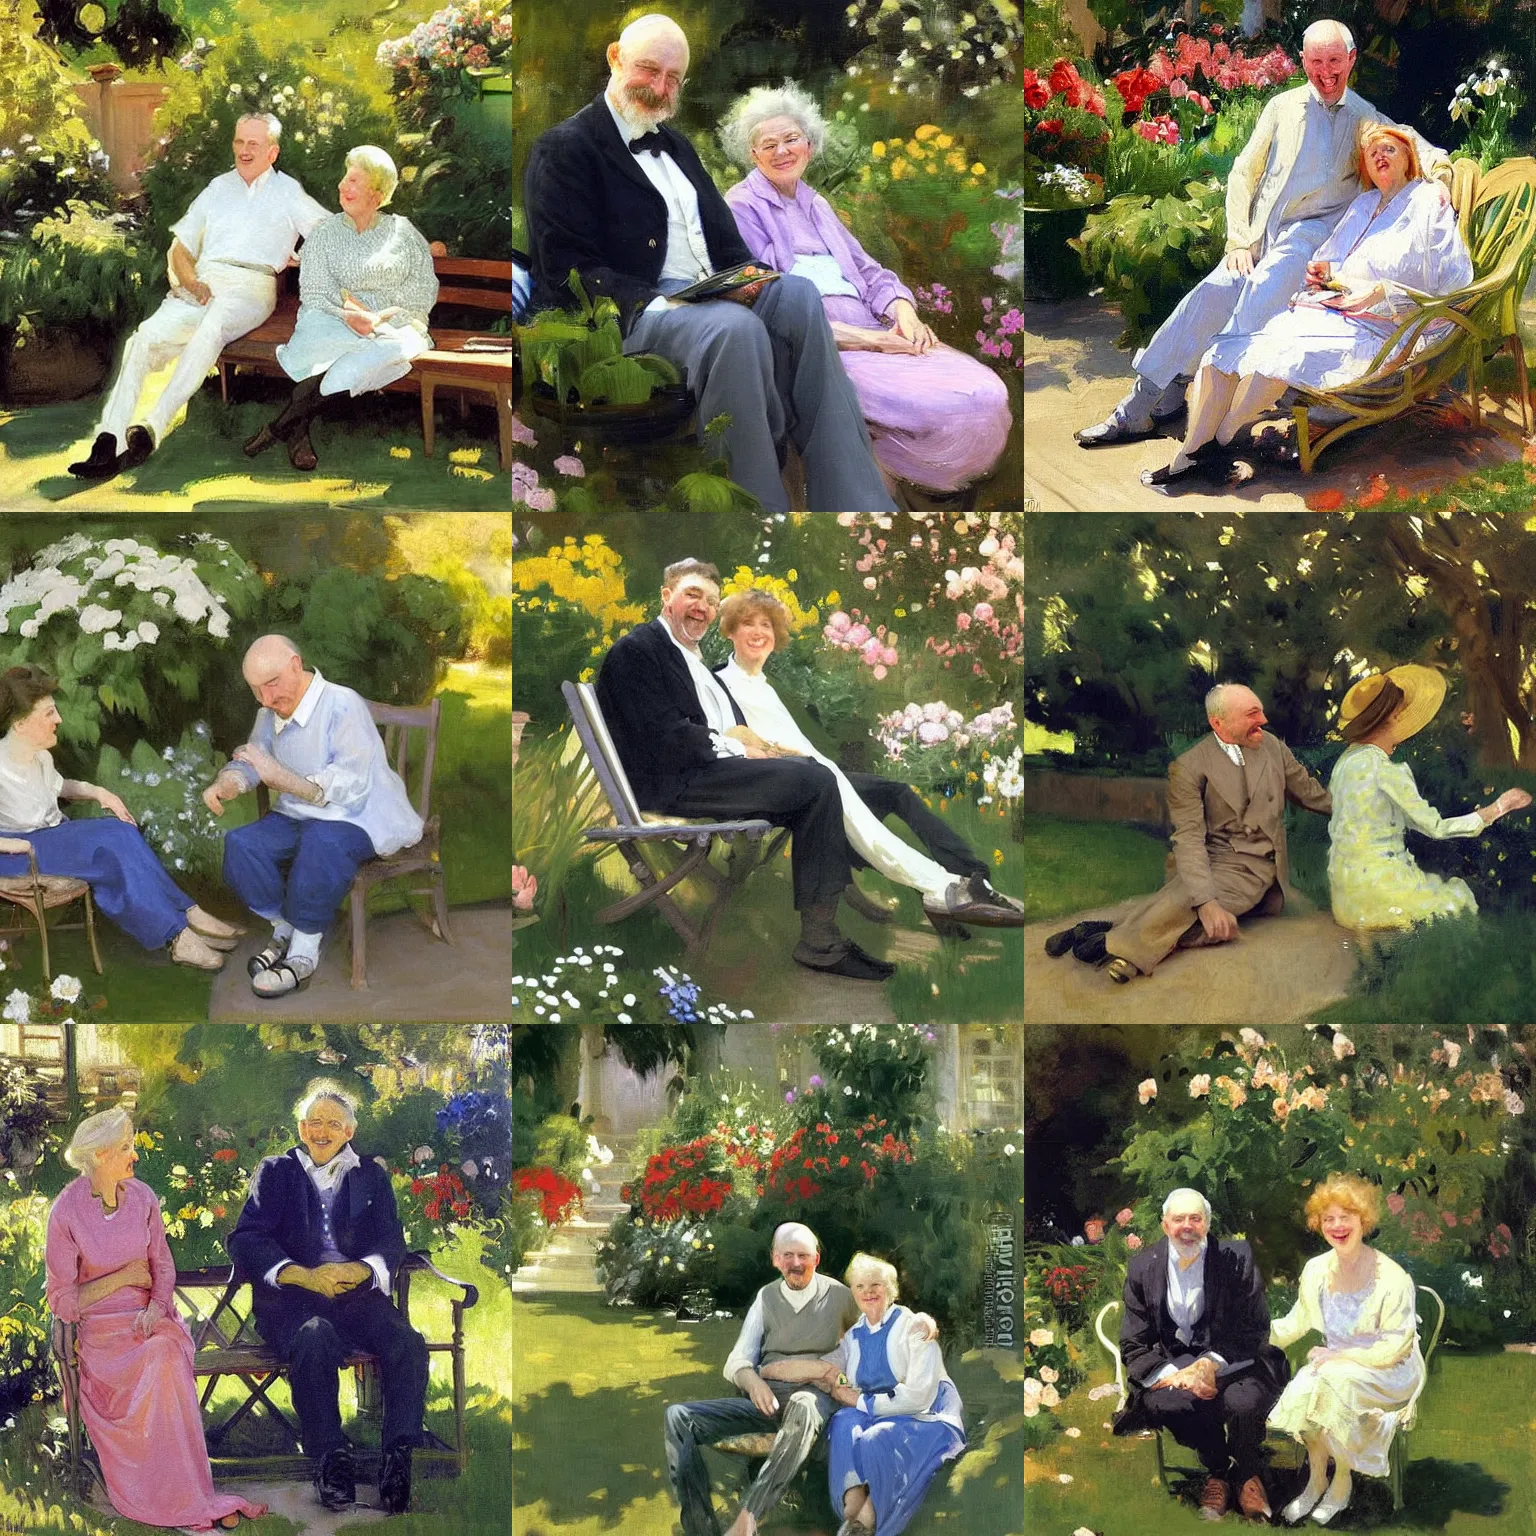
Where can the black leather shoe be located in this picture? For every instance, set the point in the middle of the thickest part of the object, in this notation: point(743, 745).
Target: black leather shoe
point(961, 905)
point(301, 452)
point(141, 444)
point(1059, 943)
point(853, 963)
point(1091, 951)
point(102, 461)
point(336, 1481)
point(259, 444)
point(395, 1480)
point(982, 889)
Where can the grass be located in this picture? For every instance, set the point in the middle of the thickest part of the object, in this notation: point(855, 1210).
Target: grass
point(474, 1504)
point(1077, 865)
point(201, 465)
point(1469, 1464)
point(591, 1384)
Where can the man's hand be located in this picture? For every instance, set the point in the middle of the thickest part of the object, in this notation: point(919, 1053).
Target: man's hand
point(924, 1328)
point(847, 1396)
point(328, 1280)
point(1219, 924)
point(1318, 273)
point(762, 1397)
point(747, 736)
point(1241, 260)
point(114, 805)
point(347, 1276)
point(1357, 298)
point(228, 786)
point(266, 766)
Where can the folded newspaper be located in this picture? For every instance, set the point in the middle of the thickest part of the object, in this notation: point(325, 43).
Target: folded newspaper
point(718, 284)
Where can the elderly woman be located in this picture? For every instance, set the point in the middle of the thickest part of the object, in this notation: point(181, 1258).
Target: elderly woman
point(1396, 240)
point(366, 288)
point(1363, 1381)
point(127, 881)
point(937, 418)
point(110, 1272)
point(757, 624)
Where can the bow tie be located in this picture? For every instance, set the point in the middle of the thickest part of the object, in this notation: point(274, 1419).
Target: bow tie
point(647, 142)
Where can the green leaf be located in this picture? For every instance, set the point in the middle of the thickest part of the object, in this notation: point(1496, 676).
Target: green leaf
point(618, 380)
point(701, 493)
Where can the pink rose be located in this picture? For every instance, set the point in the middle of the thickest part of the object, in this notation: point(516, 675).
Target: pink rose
point(838, 623)
point(1132, 1242)
point(1396, 1204)
point(569, 464)
point(857, 635)
point(962, 621)
point(879, 674)
point(1125, 1217)
point(524, 889)
point(888, 656)
point(930, 733)
point(1178, 89)
point(1093, 1229)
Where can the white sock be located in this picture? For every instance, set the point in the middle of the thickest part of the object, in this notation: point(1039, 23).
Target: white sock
point(282, 930)
point(304, 946)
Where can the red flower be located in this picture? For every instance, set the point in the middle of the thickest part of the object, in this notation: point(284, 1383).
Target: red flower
point(1036, 93)
point(1051, 125)
point(1065, 81)
point(225, 1155)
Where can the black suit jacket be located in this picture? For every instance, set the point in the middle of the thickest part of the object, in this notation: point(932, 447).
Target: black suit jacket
point(654, 715)
point(1234, 1324)
point(591, 207)
point(281, 1220)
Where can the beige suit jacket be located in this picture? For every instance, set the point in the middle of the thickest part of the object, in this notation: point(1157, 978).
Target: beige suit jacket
point(1218, 809)
point(1261, 174)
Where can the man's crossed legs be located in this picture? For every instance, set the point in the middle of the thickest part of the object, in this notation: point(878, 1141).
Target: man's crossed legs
point(804, 1412)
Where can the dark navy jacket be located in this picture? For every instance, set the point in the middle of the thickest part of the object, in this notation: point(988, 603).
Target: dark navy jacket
point(281, 1220)
point(591, 207)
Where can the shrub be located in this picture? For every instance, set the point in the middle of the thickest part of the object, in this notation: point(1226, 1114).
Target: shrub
point(78, 270)
point(24, 1119)
point(881, 1068)
point(25, 1368)
point(510, 1236)
point(558, 1197)
point(479, 1121)
point(201, 1183)
point(592, 986)
point(924, 43)
point(654, 1264)
point(433, 1207)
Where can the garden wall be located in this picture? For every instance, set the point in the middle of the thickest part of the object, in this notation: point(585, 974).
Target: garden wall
point(1091, 797)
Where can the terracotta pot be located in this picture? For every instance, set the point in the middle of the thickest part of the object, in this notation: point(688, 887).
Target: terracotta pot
point(1052, 269)
point(53, 366)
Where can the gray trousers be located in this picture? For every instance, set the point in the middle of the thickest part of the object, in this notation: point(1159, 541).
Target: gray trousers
point(692, 1425)
point(772, 367)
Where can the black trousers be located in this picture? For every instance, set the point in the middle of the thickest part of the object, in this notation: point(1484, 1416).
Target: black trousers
point(890, 797)
point(1226, 1431)
point(799, 794)
point(313, 1335)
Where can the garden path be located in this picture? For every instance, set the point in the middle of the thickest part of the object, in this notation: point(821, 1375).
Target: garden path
point(566, 1263)
point(1074, 374)
point(1278, 970)
point(411, 975)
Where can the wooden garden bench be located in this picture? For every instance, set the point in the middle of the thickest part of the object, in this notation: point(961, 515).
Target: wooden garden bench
point(749, 844)
point(228, 1345)
point(1496, 213)
point(1397, 1457)
point(463, 284)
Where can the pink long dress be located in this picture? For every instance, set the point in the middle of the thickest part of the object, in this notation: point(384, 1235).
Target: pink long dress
point(137, 1395)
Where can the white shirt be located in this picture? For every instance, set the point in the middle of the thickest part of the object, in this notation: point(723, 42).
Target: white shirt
point(1186, 1305)
point(331, 740)
point(325, 1177)
point(30, 787)
point(749, 1342)
point(256, 224)
point(687, 254)
point(1231, 748)
point(713, 699)
point(916, 1363)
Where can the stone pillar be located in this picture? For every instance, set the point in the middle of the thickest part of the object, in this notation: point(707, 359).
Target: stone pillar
point(946, 1077)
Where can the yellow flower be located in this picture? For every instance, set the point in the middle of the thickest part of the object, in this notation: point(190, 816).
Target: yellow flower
point(955, 160)
point(901, 613)
point(997, 855)
point(399, 453)
point(468, 472)
point(914, 149)
point(899, 167)
point(944, 140)
point(832, 599)
point(932, 170)
point(187, 1212)
point(925, 131)
point(978, 169)
point(465, 456)
point(877, 149)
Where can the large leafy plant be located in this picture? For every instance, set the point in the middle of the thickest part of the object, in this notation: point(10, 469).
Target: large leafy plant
point(79, 269)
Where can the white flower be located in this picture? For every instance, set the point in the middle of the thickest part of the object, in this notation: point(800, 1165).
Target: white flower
point(65, 989)
point(18, 1008)
point(1040, 1337)
point(1200, 1085)
point(94, 618)
point(1342, 1046)
point(149, 632)
point(1146, 1089)
point(1513, 1102)
point(847, 1091)
point(28, 628)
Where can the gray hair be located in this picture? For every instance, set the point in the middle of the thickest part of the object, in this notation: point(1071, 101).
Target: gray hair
point(94, 1135)
point(1325, 30)
point(322, 1089)
point(1174, 1194)
point(862, 1264)
point(380, 170)
point(274, 126)
point(757, 106)
point(793, 1231)
point(1216, 700)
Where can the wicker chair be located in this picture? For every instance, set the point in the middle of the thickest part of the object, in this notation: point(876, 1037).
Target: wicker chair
point(39, 894)
point(1496, 212)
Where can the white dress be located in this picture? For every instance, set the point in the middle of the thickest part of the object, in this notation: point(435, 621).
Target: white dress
point(896, 860)
point(1413, 241)
point(1357, 1401)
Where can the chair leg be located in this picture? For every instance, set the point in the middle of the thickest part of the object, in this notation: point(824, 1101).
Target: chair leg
point(42, 934)
point(440, 906)
point(1162, 1465)
point(428, 421)
point(1517, 348)
point(504, 432)
point(359, 940)
point(90, 929)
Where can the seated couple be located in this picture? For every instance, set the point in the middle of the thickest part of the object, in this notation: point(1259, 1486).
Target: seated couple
point(1226, 801)
point(722, 745)
point(366, 287)
point(1203, 1360)
point(1317, 276)
point(338, 805)
point(811, 1350)
point(830, 358)
point(320, 1242)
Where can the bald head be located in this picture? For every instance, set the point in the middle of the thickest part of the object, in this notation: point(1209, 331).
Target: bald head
point(275, 673)
point(649, 63)
point(1235, 714)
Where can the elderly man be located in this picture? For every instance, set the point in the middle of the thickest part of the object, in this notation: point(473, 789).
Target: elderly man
point(1226, 801)
point(622, 197)
point(1194, 1337)
point(320, 1241)
point(229, 246)
point(1288, 186)
point(339, 804)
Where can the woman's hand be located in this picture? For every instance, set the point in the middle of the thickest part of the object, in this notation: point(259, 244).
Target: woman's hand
point(1511, 800)
point(1318, 1354)
point(847, 1396)
point(860, 338)
point(135, 1273)
point(1357, 298)
point(144, 1321)
point(113, 803)
point(1319, 273)
point(911, 328)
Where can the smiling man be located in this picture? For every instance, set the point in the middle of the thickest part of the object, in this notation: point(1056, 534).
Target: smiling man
point(229, 246)
point(1226, 802)
point(1288, 187)
point(320, 1240)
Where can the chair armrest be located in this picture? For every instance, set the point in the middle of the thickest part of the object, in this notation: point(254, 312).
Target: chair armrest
point(1114, 1350)
point(17, 845)
point(418, 1260)
point(681, 832)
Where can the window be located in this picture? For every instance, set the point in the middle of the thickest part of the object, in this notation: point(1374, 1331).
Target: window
point(992, 1085)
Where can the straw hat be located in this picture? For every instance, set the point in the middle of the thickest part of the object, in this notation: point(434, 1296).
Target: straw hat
point(1414, 692)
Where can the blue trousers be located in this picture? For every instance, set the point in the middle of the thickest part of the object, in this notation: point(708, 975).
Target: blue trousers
point(300, 870)
point(128, 883)
point(896, 1457)
point(773, 368)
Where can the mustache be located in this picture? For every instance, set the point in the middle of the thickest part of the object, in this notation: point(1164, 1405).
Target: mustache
point(652, 101)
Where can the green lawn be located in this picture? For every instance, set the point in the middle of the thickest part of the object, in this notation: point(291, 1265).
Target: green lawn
point(1076, 865)
point(591, 1382)
point(475, 1504)
point(1469, 1464)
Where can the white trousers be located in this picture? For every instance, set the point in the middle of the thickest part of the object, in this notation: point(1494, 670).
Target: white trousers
point(897, 860)
point(193, 334)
